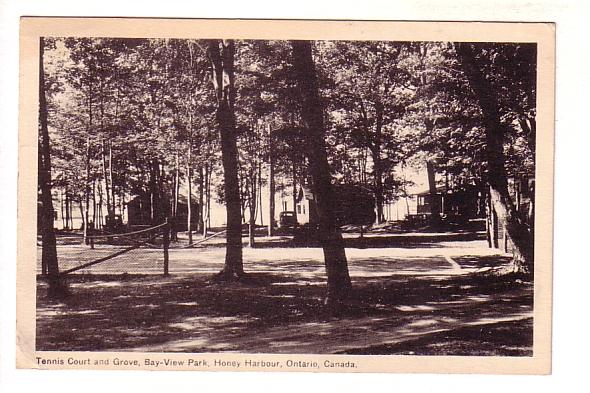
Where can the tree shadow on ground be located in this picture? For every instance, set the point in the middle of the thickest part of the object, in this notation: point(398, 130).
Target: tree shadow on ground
point(370, 240)
point(278, 312)
point(425, 240)
point(514, 338)
point(411, 241)
point(481, 261)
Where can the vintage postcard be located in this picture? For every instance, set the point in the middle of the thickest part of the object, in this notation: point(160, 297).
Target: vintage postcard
point(285, 195)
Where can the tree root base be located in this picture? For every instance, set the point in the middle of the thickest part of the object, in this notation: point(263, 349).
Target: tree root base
point(508, 272)
point(58, 290)
point(337, 303)
point(225, 276)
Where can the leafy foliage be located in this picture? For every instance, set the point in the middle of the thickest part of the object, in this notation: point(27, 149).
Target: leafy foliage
point(125, 113)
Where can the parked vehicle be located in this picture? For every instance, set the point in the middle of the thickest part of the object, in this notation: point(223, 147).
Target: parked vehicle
point(113, 223)
point(287, 219)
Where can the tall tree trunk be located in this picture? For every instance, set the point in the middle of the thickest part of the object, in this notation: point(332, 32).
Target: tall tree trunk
point(94, 204)
point(374, 145)
point(378, 183)
point(157, 211)
point(252, 206)
point(87, 190)
point(294, 190)
point(88, 147)
point(112, 179)
point(72, 213)
point(501, 201)
point(151, 191)
point(61, 206)
point(339, 284)
point(163, 203)
point(271, 186)
point(221, 54)
point(103, 144)
point(435, 208)
point(210, 168)
point(243, 201)
point(205, 207)
point(435, 218)
point(176, 185)
point(68, 209)
point(494, 225)
point(82, 212)
point(189, 192)
point(377, 163)
point(122, 203)
point(105, 176)
point(57, 287)
point(201, 198)
point(98, 222)
point(259, 195)
point(489, 227)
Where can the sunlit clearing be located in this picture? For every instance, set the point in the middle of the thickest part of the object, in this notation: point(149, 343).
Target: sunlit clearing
point(424, 322)
point(147, 306)
point(48, 313)
point(284, 344)
point(104, 284)
point(184, 326)
point(83, 312)
point(280, 296)
point(298, 282)
point(415, 308)
point(480, 298)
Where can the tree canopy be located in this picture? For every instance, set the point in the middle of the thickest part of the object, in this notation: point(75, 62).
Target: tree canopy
point(139, 117)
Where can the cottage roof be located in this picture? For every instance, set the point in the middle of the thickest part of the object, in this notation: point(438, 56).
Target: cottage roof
point(439, 190)
point(305, 192)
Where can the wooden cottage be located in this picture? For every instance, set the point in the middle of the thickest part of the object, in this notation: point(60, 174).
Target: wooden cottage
point(354, 205)
point(140, 213)
point(461, 203)
point(306, 208)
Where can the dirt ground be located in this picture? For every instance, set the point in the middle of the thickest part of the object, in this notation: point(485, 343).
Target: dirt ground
point(432, 297)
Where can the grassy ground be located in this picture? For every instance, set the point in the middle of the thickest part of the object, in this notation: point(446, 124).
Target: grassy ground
point(432, 300)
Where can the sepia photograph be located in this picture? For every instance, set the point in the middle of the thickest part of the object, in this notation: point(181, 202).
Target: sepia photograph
point(233, 200)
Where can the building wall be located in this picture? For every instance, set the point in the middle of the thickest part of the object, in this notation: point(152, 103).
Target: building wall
point(398, 210)
point(303, 212)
